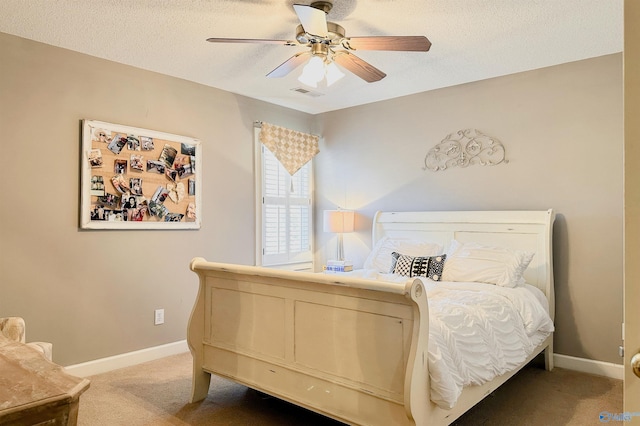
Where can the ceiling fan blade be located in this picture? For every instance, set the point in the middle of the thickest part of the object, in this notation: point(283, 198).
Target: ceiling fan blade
point(289, 65)
point(252, 40)
point(362, 69)
point(314, 21)
point(402, 43)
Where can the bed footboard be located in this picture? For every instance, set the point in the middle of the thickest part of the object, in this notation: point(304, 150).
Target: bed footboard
point(351, 349)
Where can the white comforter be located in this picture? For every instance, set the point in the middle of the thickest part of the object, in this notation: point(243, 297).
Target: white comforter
point(477, 331)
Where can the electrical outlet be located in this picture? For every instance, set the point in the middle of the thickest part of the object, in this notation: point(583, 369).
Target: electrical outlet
point(159, 316)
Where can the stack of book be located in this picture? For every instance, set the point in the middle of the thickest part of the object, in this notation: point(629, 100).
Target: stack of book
point(339, 266)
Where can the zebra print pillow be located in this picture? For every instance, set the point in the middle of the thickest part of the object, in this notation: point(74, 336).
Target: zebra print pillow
point(410, 266)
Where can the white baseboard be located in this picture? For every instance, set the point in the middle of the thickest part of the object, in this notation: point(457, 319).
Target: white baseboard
point(128, 359)
point(599, 368)
point(90, 368)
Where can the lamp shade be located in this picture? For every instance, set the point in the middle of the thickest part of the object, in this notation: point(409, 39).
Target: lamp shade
point(313, 72)
point(338, 221)
point(333, 74)
point(318, 69)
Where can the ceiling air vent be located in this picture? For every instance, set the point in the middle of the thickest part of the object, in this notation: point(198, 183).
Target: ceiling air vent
point(307, 92)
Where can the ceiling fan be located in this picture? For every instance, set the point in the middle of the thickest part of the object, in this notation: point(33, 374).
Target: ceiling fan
point(328, 45)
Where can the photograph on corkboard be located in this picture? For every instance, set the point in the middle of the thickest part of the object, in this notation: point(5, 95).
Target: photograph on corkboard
point(135, 178)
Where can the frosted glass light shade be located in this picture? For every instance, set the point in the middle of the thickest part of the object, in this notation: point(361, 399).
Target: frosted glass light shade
point(313, 72)
point(317, 69)
point(333, 74)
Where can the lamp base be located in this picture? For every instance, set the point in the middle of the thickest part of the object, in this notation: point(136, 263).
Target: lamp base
point(340, 248)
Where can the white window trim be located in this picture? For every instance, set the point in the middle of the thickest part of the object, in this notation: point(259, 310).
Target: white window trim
point(303, 265)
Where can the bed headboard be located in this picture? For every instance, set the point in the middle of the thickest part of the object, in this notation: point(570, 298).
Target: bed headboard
point(517, 230)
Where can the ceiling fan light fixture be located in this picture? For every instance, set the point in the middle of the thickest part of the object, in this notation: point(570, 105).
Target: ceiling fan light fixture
point(333, 74)
point(304, 79)
point(313, 72)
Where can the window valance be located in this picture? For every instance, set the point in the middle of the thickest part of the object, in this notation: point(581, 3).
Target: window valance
point(292, 148)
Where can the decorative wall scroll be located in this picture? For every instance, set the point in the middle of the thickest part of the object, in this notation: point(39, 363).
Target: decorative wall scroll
point(139, 179)
point(464, 148)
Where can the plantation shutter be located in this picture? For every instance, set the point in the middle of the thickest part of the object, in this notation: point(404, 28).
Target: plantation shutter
point(286, 209)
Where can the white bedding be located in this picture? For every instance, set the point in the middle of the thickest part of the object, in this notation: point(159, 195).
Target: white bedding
point(477, 331)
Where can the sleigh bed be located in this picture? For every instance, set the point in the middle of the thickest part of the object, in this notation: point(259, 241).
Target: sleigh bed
point(355, 346)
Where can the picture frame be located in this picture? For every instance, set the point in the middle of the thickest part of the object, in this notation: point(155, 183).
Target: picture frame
point(135, 178)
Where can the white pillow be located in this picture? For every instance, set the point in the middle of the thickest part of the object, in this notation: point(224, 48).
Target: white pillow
point(471, 262)
point(380, 257)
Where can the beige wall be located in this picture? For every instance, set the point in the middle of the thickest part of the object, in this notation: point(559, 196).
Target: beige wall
point(562, 128)
point(93, 293)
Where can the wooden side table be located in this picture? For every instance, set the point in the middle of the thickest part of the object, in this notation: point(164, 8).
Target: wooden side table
point(34, 390)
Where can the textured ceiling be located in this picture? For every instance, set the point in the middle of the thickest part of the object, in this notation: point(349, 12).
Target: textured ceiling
point(472, 40)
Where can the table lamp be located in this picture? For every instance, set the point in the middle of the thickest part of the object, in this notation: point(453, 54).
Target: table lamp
point(339, 222)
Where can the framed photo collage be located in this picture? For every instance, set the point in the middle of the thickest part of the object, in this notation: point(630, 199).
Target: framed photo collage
point(136, 178)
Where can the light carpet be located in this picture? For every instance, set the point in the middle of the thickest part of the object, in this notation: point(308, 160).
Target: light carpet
point(157, 393)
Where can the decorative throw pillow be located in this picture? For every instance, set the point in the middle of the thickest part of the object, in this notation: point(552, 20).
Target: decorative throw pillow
point(473, 262)
point(424, 266)
point(436, 266)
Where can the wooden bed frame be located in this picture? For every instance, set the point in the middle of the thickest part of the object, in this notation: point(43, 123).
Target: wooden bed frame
point(349, 348)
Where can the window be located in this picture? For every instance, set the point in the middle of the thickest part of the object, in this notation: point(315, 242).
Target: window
point(284, 213)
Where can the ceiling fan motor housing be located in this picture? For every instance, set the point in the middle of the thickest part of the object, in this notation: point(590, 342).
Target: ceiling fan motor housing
point(335, 35)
